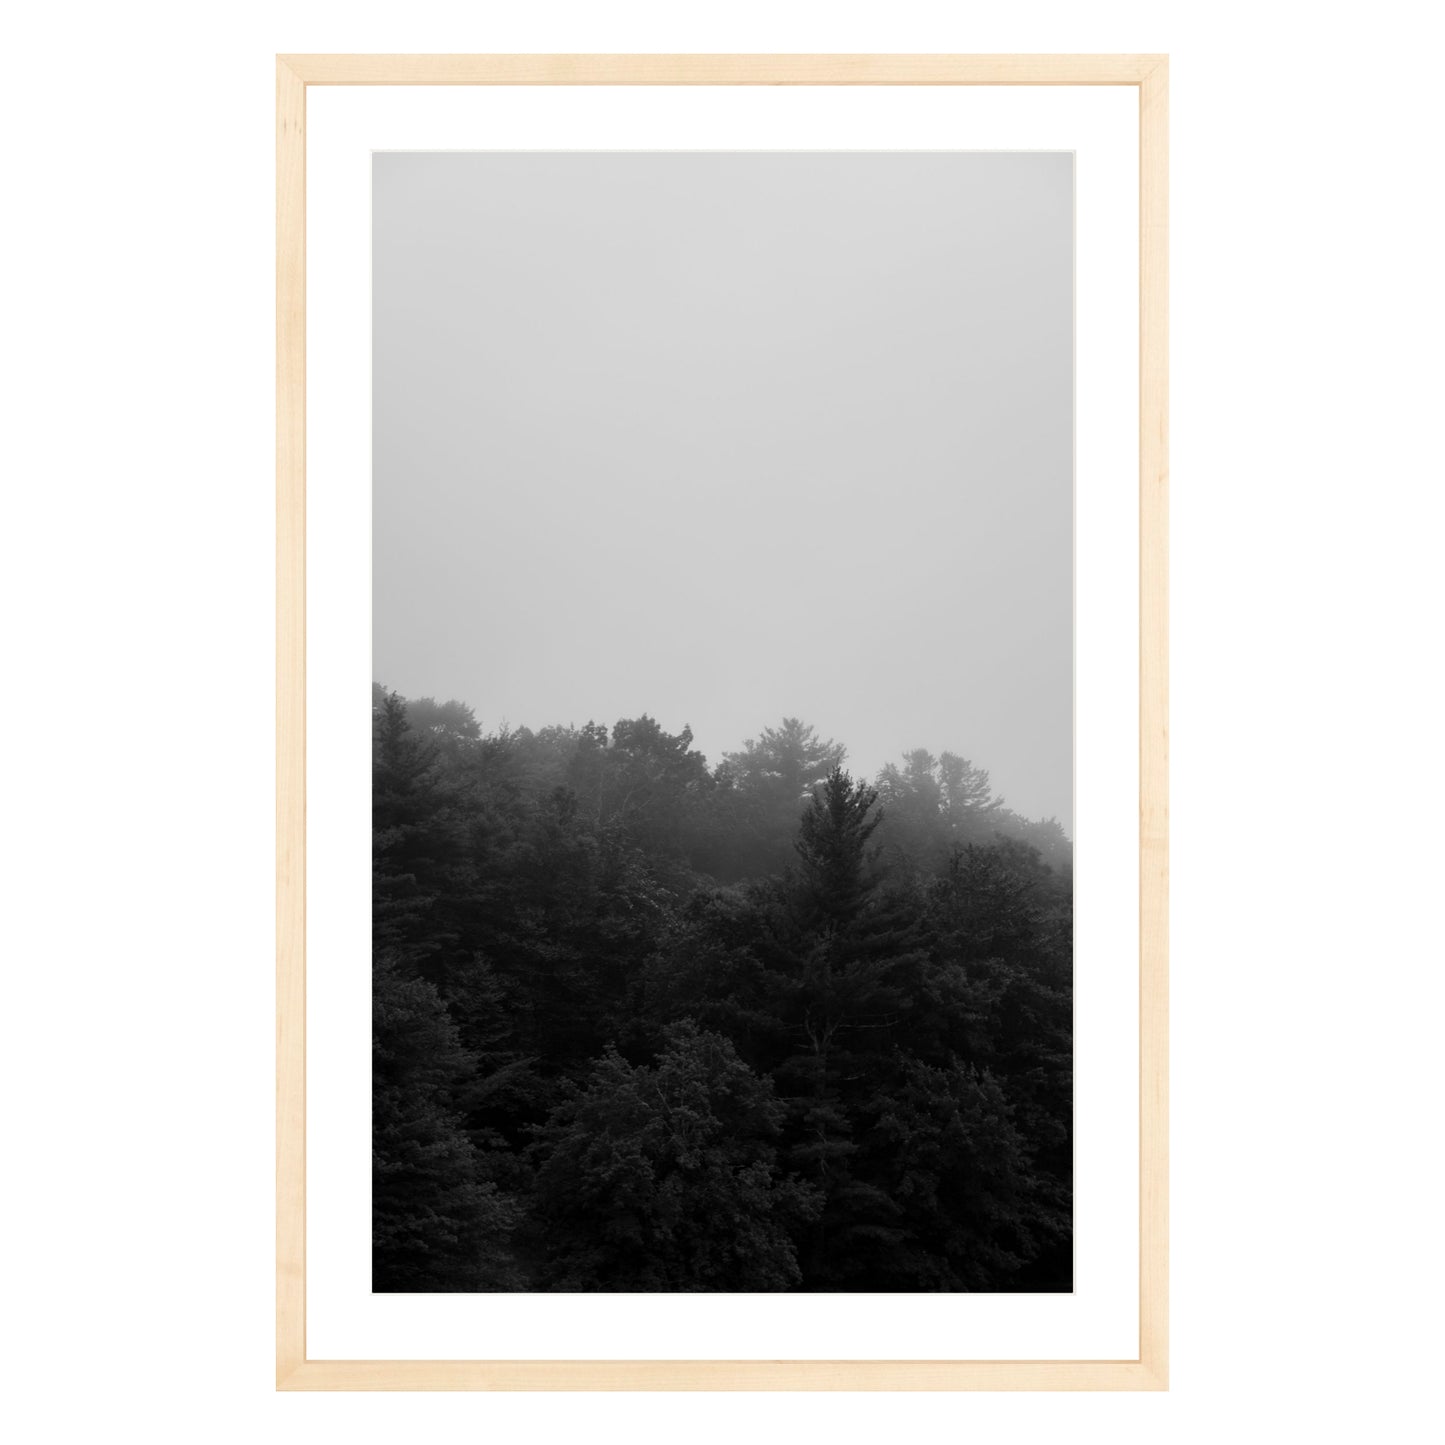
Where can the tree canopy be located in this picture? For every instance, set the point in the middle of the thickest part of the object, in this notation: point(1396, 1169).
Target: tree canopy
point(645, 1024)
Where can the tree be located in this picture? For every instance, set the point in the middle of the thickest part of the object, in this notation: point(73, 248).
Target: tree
point(451, 726)
point(850, 956)
point(1005, 958)
point(647, 785)
point(933, 805)
point(580, 912)
point(439, 1222)
point(664, 1177)
point(959, 1173)
point(642, 1025)
point(415, 842)
point(790, 760)
point(705, 969)
point(832, 840)
point(771, 781)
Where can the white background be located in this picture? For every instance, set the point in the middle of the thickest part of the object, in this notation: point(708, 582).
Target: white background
point(1099, 1319)
point(1307, 797)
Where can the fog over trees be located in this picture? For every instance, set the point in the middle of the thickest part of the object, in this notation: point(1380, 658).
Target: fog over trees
point(643, 1022)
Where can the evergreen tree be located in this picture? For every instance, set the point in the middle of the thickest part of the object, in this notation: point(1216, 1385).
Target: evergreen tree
point(415, 842)
point(850, 957)
point(639, 1025)
point(771, 780)
point(933, 805)
point(439, 1222)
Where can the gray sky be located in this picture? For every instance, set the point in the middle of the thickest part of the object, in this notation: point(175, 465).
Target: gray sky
point(728, 437)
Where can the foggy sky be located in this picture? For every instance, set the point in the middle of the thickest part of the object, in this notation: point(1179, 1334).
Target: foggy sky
point(728, 437)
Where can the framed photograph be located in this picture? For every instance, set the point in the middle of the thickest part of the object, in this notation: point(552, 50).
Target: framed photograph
point(722, 722)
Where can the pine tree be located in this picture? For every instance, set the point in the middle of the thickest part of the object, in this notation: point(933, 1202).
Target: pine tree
point(768, 784)
point(439, 1222)
point(849, 956)
point(415, 842)
point(848, 1068)
point(934, 805)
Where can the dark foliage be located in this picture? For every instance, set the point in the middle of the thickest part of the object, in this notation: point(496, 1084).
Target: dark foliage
point(643, 1025)
point(665, 1177)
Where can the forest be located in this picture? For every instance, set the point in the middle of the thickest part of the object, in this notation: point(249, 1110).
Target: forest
point(645, 1024)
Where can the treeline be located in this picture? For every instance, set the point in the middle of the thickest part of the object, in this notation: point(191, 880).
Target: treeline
point(643, 1024)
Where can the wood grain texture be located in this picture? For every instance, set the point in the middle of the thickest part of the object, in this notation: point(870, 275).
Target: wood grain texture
point(294, 1372)
point(757, 1375)
point(290, 722)
point(722, 69)
point(1154, 720)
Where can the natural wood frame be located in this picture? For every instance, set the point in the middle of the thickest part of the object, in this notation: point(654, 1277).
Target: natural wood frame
point(294, 73)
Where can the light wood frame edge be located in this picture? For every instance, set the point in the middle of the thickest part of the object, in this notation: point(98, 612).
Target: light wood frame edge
point(294, 1372)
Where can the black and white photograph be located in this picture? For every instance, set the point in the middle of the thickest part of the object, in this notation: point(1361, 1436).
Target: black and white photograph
point(722, 721)
point(888, 883)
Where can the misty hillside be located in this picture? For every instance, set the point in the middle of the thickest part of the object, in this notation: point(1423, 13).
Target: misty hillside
point(647, 1022)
